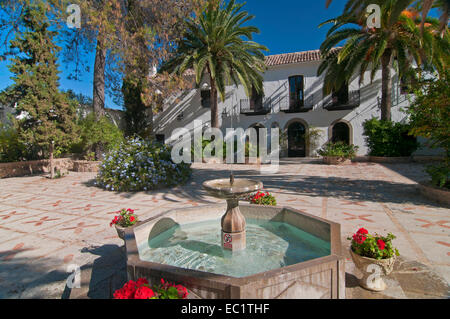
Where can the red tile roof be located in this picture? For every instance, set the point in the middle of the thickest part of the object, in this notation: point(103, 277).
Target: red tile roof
point(295, 57)
point(286, 58)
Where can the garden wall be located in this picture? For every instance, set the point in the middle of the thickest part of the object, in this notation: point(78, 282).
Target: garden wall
point(18, 169)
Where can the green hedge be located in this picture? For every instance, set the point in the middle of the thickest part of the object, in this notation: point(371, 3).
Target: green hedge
point(389, 139)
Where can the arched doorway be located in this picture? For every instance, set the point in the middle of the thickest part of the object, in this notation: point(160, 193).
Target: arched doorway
point(297, 140)
point(341, 133)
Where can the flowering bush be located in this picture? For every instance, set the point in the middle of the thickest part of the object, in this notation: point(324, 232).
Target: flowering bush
point(261, 198)
point(141, 165)
point(376, 247)
point(126, 218)
point(141, 289)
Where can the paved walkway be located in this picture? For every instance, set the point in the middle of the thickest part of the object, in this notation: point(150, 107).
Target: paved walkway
point(46, 226)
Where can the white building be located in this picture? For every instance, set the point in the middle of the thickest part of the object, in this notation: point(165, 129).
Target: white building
point(292, 101)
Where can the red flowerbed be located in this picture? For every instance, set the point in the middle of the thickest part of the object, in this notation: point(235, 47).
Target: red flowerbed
point(141, 289)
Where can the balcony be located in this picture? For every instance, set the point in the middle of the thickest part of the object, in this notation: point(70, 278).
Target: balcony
point(306, 106)
point(331, 103)
point(253, 108)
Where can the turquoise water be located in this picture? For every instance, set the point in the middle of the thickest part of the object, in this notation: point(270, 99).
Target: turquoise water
point(270, 245)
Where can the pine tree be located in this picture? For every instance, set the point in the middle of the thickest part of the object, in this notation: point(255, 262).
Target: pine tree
point(47, 120)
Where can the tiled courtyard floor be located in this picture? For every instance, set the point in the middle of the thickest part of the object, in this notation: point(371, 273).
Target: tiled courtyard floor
point(48, 225)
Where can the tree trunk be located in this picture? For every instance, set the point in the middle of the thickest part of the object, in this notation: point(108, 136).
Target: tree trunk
point(386, 85)
point(52, 166)
point(214, 106)
point(99, 88)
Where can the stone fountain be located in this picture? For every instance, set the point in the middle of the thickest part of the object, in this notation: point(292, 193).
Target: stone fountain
point(264, 252)
point(233, 222)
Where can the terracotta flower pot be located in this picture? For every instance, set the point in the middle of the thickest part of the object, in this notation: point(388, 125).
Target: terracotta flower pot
point(372, 270)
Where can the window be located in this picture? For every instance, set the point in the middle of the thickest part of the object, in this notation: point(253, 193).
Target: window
point(340, 97)
point(206, 98)
point(296, 94)
point(341, 133)
point(256, 100)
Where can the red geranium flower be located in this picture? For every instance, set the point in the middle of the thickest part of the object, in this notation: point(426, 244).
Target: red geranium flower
point(115, 220)
point(182, 291)
point(127, 292)
point(141, 281)
point(144, 292)
point(362, 231)
point(359, 238)
point(381, 244)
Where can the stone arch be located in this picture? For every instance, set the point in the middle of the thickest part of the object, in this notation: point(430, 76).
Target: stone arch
point(296, 132)
point(332, 129)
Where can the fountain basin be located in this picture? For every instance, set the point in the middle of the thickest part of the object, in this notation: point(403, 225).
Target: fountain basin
point(321, 277)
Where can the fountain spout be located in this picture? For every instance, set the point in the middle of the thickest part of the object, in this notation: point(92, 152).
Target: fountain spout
point(233, 222)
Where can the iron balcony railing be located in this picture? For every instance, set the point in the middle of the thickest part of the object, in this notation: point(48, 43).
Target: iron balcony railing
point(261, 107)
point(288, 106)
point(331, 103)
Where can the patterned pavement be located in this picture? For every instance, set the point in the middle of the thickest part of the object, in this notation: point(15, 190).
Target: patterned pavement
point(48, 225)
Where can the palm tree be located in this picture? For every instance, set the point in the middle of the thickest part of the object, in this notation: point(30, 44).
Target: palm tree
point(441, 5)
point(217, 44)
point(398, 39)
point(424, 5)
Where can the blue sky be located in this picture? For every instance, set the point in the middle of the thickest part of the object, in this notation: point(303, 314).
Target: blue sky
point(285, 25)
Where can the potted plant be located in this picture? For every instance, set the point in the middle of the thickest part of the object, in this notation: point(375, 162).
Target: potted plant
point(264, 199)
point(126, 219)
point(338, 153)
point(373, 254)
point(141, 289)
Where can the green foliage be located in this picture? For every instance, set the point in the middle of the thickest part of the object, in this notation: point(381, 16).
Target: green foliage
point(398, 43)
point(141, 165)
point(430, 111)
point(430, 114)
point(219, 43)
point(97, 132)
point(59, 174)
point(339, 149)
point(264, 199)
point(136, 116)
point(11, 149)
point(440, 175)
point(373, 246)
point(249, 149)
point(389, 139)
point(312, 137)
point(47, 114)
point(126, 218)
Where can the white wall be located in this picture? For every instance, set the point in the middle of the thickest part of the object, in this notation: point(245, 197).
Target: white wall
point(276, 87)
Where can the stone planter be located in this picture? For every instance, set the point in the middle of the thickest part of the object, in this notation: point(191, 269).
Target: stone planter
point(372, 270)
point(434, 193)
point(336, 160)
point(392, 160)
point(121, 231)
